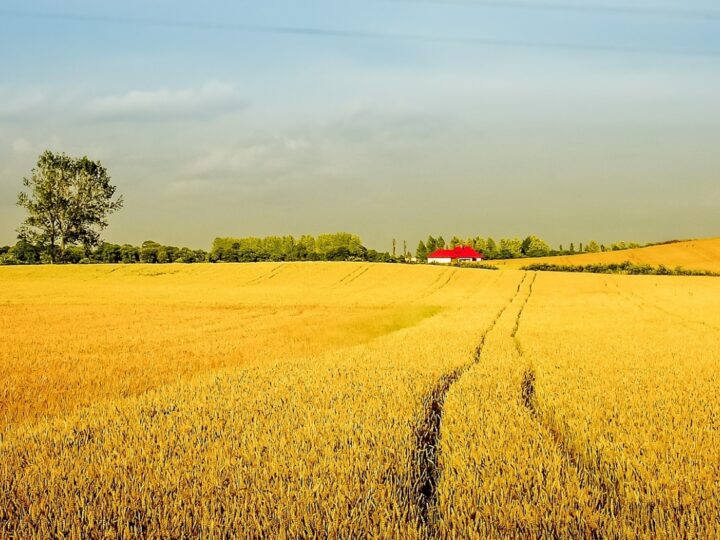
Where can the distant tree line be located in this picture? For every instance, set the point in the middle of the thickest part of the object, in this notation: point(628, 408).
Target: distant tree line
point(324, 247)
point(340, 246)
point(24, 252)
point(516, 248)
point(625, 267)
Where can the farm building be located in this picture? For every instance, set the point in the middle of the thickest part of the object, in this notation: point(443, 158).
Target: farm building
point(458, 254)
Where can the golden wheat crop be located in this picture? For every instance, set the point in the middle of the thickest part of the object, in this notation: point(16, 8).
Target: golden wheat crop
point(593, 413)
point(356, 400)
point(703, 254)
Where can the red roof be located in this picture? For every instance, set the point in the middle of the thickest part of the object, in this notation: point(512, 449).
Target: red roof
point(460, 252)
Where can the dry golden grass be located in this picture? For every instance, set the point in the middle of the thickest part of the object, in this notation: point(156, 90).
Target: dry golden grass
point(300, 400)
point(692, 254)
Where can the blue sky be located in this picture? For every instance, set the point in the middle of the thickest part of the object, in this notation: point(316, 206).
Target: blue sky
point(408, 118)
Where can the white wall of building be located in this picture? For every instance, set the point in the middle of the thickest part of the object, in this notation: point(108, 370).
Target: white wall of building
point(448, 260)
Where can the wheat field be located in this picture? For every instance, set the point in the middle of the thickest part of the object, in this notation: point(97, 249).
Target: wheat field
point(702, 254)
point(352, 400)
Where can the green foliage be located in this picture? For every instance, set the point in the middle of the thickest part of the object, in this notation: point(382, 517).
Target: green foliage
point(129, 254)
point(479, 266)
point(480, 245)
point(532, 246)
point(339, 246)
point(149, 252)
point(491, 250)
point(24, 253)
point(421, 252)
point(510, 248)
point(326, 247)
point(625, 267)
point(67, 201)
point(431, 244)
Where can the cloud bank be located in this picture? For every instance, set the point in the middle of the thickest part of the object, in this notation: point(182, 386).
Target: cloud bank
point(142, 105)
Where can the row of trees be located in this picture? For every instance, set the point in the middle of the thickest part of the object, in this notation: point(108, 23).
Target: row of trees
point(325, 247)
point(24, 252)
point(514, 248)
point(506, 248)
point(625, 267)
point(340, 246)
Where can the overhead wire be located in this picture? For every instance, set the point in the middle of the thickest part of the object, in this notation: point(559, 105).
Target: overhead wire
point(354, 34)
point(587, 9)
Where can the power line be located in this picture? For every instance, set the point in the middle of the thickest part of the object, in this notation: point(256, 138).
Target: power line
point(639, 11)
point(356, 34)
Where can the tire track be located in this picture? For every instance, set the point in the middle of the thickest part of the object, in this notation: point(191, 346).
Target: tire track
point(643, 302)
point(425, 460)
point(431, 287)
point(446, 282)
point(515, 329)
point(348, 276)
point(356, 276)
point(274, 271)
point(592, 478)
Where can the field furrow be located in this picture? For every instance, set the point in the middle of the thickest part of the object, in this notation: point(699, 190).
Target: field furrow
point(427, 435)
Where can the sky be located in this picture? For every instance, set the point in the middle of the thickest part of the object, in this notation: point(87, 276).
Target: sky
point(571, 120)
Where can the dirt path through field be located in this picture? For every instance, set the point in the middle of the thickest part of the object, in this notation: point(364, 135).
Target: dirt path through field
point(426, 472)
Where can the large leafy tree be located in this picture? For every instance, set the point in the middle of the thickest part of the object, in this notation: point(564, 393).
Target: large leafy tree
point(510, 248)
point(533, 246)
point(68, 201)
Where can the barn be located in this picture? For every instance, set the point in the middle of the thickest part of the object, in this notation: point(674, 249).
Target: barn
point(458, 254)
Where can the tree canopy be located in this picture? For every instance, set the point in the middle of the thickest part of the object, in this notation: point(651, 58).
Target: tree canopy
point(68, 201)
point(326, 247)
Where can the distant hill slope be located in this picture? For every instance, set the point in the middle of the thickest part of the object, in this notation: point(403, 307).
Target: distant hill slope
point(692, 254)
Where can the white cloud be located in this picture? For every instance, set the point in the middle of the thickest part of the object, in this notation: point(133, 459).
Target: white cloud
point(210, 98)
point(274, 156)
point(230, 161)
point(255, 168)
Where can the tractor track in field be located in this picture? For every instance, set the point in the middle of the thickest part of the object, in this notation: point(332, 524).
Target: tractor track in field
point(425, 461)
point(515, 329)
point(643, 302)
point(347, 278)
point(442, 281)
point(591, 478)
point(355, 275)
point(433, 285)
point(274, 271)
